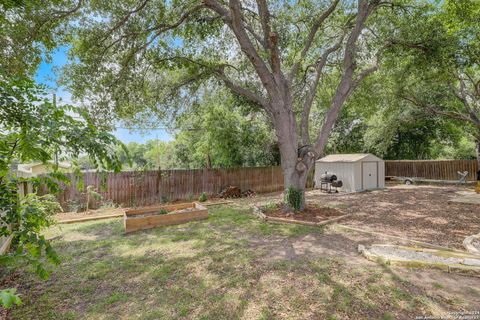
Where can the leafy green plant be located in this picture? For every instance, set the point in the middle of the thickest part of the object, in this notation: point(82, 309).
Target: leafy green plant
point(9, 297)
point(165, 198)
point(33, 128)
point(25, 219)
point(75, 206)
point(202, 197)
point(294, 198)
point(163, 211)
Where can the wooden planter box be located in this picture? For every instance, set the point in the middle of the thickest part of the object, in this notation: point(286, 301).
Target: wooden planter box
point(146, 218)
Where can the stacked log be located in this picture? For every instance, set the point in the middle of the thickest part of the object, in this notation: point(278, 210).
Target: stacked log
point(248, 193)
point(230, 192)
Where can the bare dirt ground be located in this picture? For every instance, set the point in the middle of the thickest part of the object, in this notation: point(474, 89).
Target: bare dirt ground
point(421, 213)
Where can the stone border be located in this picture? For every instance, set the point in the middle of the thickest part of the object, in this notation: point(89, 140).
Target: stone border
point(378, 234)
point(455, 268)
point(259, 213)
point(468, 244)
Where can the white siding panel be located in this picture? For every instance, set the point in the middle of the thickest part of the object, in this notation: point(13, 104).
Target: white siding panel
point(381, 174)
point(357, 176)
point(343, 171)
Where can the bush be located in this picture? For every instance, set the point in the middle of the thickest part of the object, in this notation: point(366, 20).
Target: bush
point(165, 198)
point(294, 198)
point(75, 206)
point(162, 211)
point(203, 197)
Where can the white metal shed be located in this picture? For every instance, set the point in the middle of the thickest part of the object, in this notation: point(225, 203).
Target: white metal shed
point(358, 172)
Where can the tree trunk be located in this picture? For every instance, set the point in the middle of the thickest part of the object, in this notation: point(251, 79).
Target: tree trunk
point(477, 147)
point(298, 180)
point(295, 168)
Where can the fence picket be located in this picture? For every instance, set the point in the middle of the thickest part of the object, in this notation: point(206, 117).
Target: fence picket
point(431, 169)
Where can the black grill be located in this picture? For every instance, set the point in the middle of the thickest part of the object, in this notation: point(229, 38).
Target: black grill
point(328, 177)
point(329, 181)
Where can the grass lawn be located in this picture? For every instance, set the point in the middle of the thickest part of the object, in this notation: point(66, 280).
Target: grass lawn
point(231, 266)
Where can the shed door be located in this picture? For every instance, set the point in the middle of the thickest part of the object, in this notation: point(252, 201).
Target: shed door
point(369, 175)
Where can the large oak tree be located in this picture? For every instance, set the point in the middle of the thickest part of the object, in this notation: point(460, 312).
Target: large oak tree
point(138, 58)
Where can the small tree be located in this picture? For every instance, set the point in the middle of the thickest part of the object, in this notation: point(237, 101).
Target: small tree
point(90, 194)
point(34, 129)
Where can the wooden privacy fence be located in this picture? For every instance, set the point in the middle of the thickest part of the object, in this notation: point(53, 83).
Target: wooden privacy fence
point(140, 188)
point(431, 169)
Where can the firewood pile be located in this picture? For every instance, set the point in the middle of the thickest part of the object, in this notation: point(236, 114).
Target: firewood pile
point(235, 192)
point(248, 193)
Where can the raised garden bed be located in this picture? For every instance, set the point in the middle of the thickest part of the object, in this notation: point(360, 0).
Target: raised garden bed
point(151, 217)
point(312, 215)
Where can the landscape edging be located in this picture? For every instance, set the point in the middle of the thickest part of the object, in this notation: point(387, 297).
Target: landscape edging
point(259, 213)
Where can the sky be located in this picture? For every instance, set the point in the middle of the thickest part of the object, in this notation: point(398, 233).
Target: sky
point(46, 75)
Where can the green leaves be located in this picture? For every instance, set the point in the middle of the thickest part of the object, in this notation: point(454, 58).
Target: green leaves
point(294, 198)
point(33, 129)
point(8, 298)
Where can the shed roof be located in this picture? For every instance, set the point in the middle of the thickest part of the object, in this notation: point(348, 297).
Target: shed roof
point(352, 157)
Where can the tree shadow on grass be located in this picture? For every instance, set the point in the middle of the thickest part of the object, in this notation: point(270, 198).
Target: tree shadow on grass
point(225, 275)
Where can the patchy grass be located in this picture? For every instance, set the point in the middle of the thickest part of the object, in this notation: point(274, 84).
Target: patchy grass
point(221, 268)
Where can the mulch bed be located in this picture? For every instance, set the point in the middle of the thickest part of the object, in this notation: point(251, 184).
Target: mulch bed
point(310, 214)
point(422, 213)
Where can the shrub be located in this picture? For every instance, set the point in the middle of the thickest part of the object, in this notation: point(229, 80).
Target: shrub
point(165, 198)
point(162, 211)
point(75, 206)
point(203, 197)
point(294, 198)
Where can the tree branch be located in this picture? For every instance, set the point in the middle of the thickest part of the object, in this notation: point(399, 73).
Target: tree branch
point(257, 37)
point(311, 36)
point(271, 41)
point(161, 28)
point(344, 88)
point(438, 110)
point(249, 95)
point(124, 19)
point(234, 20)
point(312, 91)
point(461, 95)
